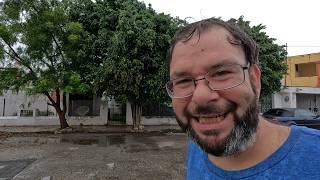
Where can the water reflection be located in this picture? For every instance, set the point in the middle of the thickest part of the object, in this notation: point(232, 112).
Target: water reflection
point(107, 140)
point(129, 142)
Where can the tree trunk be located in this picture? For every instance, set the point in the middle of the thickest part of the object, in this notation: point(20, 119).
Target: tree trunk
point(56, 104)
point(63, 120)
point(136, 116)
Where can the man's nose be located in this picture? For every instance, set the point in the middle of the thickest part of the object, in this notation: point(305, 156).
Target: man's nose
point(202, 92)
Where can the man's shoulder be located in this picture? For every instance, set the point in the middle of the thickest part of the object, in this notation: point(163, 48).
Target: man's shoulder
point(308, 139)
point(309, 131)
point(308, 134)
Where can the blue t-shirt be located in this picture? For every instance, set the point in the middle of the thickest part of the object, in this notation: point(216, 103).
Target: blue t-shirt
point(298, 158)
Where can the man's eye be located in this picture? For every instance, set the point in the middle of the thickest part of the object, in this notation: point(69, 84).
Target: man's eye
point(220, 73)
point(182, 82)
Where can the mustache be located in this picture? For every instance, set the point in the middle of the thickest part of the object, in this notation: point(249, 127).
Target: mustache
point(210, 109)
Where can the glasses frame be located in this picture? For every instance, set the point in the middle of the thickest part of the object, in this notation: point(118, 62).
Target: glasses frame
point(244, 67)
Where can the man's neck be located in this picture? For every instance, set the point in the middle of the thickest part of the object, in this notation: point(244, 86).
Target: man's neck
point(269, 138)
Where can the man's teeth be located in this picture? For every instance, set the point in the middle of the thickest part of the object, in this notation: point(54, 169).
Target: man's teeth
point(208, 120)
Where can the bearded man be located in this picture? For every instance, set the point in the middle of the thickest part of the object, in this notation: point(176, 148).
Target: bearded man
point(215, 86)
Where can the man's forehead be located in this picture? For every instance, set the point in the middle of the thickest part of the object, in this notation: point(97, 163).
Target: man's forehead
point(213, 44)
point(204, 40)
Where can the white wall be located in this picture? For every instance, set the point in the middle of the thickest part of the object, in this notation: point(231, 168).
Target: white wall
point(15, 101)
point(13, 106)
point(150, 120)
point(285, 100)
point(159, 121)
point(129, 120)
point(54, 120)
point(40, 102)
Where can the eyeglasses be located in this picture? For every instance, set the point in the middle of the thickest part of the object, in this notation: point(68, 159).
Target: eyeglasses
point(218, 78)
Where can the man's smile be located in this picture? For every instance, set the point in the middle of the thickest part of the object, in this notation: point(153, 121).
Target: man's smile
point(211, 120)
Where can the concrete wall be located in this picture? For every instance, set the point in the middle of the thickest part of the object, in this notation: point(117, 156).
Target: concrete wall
point(159, 121)
point(40, 102)
point(11, 102)
point(149, 120)
point(15, 102)
point(54, 120)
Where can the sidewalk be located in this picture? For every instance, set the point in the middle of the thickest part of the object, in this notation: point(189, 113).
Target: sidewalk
point(88, 129)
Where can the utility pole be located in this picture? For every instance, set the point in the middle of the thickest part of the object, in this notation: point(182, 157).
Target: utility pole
point(285, 76)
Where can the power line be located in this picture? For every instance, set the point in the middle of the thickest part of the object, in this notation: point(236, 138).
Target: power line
point(304, 46)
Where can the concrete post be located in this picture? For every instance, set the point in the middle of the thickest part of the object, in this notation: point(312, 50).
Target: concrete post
point(129, 120)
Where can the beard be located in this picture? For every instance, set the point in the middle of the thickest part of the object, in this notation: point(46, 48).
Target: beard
point(241, 137)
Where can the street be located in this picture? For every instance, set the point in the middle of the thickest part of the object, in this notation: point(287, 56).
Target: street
point(84, 156)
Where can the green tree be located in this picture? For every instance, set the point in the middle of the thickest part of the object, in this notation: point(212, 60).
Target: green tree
point(40, 50)
point(131, 41)
point(271, 56)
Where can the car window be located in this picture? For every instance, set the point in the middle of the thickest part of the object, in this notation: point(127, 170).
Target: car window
point(272, 112)
point(284, 113)
point(304, 113)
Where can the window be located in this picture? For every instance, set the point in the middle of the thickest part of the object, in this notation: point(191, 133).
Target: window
point(304, 113)
point(305, 70)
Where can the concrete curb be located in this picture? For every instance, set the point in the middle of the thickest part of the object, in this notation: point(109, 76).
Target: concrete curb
point(89, 129)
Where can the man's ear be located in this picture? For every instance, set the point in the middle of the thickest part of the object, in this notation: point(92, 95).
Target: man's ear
point(255, 75)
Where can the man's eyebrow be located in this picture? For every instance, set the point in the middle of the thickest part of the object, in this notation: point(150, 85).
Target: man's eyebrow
point(224, 62)
point(176, 75)
point(218, 65)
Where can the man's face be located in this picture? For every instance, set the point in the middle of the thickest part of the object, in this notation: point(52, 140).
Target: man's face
point(222, 122)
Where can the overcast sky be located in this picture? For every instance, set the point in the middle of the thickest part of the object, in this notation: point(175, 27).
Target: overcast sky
point(295, 22)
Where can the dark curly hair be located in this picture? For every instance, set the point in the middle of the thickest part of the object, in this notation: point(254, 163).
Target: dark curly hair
point(239, 38)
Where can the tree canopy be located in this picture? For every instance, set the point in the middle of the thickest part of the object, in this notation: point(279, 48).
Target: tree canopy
point(271, 56)
point(40, 49)
point(133, 43)
point(130, 41)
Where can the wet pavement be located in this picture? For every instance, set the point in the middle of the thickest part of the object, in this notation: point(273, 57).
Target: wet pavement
point(145, 155)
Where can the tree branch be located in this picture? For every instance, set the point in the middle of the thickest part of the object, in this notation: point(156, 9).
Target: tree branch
point(58, 46)
point(13, 57)
point(50, 104)
point(47, 64)
point(16, 55)
point(53, 103)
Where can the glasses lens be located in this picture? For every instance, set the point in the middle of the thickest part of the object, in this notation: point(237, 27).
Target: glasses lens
point(180, 87)
point(224, 77)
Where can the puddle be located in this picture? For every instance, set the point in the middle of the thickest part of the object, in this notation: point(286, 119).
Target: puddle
point(98, 140)
point(166, 144)
point(132, 142)
point(33, 141)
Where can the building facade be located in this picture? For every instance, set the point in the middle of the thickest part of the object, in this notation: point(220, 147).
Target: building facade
point(301, 84)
